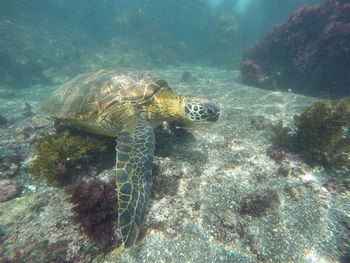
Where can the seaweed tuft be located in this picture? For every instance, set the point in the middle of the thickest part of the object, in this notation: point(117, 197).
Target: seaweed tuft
point(58, 155)
point(95, 209)
point(282, 135)
point(320, 134)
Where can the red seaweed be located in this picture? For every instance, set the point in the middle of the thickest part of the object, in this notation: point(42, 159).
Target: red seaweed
point(308, 53)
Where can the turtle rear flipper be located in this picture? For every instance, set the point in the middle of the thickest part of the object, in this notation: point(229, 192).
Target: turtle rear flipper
point(135, 152)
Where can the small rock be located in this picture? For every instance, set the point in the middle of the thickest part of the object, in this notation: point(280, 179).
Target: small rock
point(27, 111)
point(12, 170)
point(259, 204)
point(293, 193)
point(277, 155)
point(8, 191)
point(335, 187)
point(259, 122)
point(3, 121)
point(284, 171)
point(187, 77)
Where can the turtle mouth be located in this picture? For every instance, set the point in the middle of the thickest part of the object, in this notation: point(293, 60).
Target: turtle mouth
point(212, 115)
point(216, 117)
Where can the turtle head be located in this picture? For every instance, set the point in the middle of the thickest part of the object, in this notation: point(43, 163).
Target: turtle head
point(201, 110)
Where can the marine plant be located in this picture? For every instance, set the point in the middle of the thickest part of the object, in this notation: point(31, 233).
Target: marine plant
point(58, 155)
point(320, 134)
point(307, 53)
point(95, 209)
point(251, 73)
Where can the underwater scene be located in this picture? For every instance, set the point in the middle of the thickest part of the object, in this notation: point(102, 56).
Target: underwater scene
point(174, 131)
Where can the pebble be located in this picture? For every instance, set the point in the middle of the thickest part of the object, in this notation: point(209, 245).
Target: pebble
point(8, 190)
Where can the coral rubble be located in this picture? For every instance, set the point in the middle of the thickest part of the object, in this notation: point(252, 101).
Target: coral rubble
point(308, 53)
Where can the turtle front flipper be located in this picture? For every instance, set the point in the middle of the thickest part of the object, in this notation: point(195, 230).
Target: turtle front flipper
point(135, 152)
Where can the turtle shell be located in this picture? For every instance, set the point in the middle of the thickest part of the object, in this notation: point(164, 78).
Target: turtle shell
point(95, 91)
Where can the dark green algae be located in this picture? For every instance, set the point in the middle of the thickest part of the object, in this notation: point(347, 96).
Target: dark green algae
point(320, 134)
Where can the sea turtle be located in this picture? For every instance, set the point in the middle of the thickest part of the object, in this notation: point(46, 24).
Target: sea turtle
point(127, 104)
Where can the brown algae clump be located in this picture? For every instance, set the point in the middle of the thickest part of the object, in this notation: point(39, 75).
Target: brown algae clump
point(320, 134)
point(58, 155)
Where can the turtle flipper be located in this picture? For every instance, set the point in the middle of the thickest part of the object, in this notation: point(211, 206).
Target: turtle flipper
point(135, 152)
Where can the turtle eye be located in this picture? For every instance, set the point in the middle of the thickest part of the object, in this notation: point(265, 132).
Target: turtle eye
point(210, 111)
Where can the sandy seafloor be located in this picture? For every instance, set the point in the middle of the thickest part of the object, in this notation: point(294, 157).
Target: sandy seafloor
point(205, 175)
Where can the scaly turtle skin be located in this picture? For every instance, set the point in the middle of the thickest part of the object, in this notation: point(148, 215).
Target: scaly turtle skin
point(127, 104)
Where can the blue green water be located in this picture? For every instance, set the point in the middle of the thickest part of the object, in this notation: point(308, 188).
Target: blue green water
point(219, 193)
point(42, 35)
